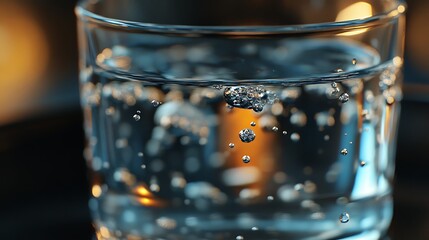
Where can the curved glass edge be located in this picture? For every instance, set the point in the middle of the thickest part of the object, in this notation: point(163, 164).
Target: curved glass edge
point(287, 82)
point(124, 25)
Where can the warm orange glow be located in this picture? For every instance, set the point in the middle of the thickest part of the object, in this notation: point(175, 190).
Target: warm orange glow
point(359, 10)
point(262, 164)
point(96, 191)
point(150, 202)
point(397, 61)
point(104, 232)
point(142, 191)
point(401, 8)
point(23, 60)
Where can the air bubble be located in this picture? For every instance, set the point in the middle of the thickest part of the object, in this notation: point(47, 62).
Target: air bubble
point(258, 107)
point(344, 97)
point(344, 217)
point(326, 137)
point(344, 151)
point(239, 237)
point(253, 124)
point(231, 145)
point(284, 132)
point(143, 166)
point(156, 103)
point(247, 135)
point(335, 92)
point(255, 229)
point(136, 117)
point(246, 159)
point(339, 70)
point(217, 87)
point(275, 129)
point(354, 61)
point(270, 198)
point(140, 154)
point(362, 163)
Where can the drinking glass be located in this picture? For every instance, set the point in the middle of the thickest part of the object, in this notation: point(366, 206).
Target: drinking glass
point(241, 119)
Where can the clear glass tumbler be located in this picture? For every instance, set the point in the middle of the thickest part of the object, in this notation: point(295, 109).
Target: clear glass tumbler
point(241, 119)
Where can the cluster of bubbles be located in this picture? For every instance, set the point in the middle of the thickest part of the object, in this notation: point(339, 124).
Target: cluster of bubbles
point(247, 135)
point(137, 116)
point(249, 97)
point(336, 93)
point(344, 97)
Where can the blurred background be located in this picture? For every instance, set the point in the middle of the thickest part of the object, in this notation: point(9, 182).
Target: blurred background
point(43, 181)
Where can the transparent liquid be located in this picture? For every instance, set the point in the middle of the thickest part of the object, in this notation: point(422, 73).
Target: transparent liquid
point(169, 163)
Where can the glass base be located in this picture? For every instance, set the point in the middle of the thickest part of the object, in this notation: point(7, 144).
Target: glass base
point(118, 217)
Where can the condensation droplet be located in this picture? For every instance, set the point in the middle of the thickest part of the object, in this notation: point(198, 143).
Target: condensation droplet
point(295, 137)
point(344, 151)
point(270, 198)
point(136, 117)
point(246, 159)
point(231, 145)
point(253, 124)
point(247, 135)
point(344, 97)
point(344, 217)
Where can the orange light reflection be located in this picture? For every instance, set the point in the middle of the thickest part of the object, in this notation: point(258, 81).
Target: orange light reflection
point(261, 150)
point(23, 61)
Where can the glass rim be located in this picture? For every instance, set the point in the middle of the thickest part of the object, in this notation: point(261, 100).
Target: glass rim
point(126, 25)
